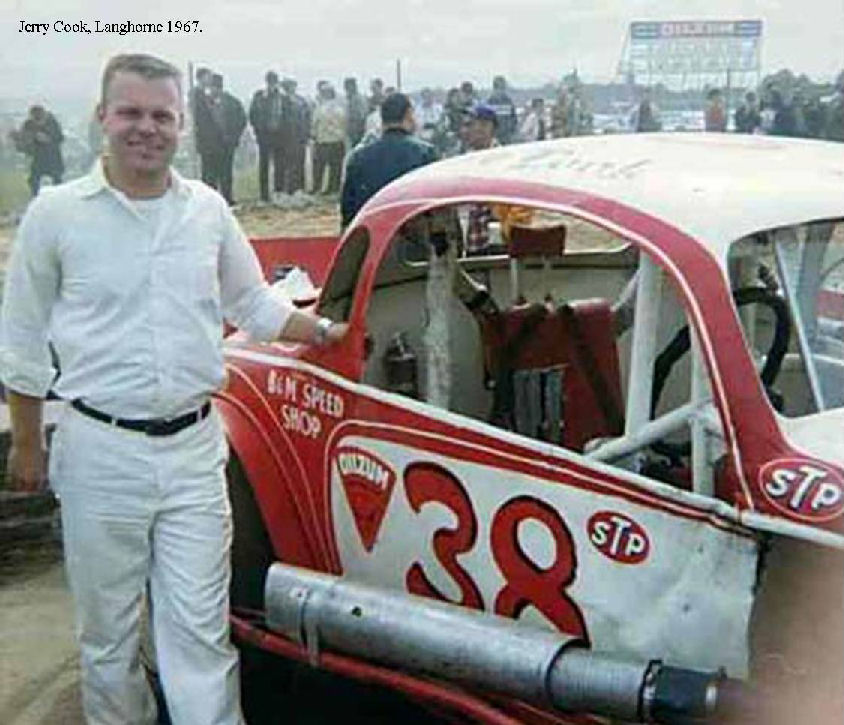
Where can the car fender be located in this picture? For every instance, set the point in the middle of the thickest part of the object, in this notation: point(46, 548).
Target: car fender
point(270, 484)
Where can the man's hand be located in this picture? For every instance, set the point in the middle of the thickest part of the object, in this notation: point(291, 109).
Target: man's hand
point(26, 467)
point(336, 332)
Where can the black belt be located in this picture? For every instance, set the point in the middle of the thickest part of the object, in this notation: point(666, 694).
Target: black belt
point(150, 426)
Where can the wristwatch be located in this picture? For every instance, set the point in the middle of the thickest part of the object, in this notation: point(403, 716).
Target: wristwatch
point(323, 325)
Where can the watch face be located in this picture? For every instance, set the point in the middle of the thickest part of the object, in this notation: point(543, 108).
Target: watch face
point(321, 334)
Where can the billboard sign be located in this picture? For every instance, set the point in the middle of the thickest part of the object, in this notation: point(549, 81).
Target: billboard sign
point(693, 48)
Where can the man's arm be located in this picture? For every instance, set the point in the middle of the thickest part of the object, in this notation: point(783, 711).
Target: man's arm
point(26, 466)
point(251, 305)
point(32, 284)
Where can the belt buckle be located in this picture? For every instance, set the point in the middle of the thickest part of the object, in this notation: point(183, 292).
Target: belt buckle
point(159, 427)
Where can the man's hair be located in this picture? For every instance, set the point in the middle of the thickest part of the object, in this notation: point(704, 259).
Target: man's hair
point(217, 80)
point(394, 108)
point(271, 76)
point(202, 72)
point(146, 66)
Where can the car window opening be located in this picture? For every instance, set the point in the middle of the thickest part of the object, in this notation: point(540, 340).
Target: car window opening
point(553, 333)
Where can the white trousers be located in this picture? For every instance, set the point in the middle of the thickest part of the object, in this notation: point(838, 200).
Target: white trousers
point(137, 510)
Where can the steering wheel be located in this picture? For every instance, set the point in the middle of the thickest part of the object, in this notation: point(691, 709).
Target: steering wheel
point(680, 344)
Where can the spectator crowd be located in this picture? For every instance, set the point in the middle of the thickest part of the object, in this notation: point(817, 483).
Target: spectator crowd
point(304, 145)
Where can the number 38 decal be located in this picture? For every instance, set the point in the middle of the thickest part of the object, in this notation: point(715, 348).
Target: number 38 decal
point(525, 583)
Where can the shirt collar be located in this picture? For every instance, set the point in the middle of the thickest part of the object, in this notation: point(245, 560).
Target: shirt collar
point(96, 181)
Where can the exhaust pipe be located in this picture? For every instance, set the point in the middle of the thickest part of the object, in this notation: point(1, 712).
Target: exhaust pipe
point(482, 650)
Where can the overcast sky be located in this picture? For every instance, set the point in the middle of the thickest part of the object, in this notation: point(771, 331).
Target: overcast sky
point(440, 42)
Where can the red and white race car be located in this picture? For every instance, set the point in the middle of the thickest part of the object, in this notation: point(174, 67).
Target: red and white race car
point(592, 469)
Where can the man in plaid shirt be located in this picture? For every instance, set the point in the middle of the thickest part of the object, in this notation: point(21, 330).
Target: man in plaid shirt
point(482, 121)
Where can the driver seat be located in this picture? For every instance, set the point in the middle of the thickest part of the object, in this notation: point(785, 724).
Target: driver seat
point(554, 368)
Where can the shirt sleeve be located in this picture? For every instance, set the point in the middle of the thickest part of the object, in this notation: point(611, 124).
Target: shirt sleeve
point(248, 302)
point(31, 288)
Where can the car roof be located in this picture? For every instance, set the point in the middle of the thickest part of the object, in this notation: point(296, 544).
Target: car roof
point(714, 187)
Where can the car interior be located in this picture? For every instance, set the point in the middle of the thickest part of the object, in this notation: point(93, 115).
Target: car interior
point(535, 333)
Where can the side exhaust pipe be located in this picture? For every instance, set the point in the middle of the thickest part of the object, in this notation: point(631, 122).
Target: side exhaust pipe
point(480, 650)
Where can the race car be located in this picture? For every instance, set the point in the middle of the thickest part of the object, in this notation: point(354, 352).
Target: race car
point(589, 467)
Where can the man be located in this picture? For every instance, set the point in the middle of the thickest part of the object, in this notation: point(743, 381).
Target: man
point(40, 138)
point(430, 119)
point(533, 125)
point(297, 133)
point(748, 117)
point(129, 273)
point(715, 114)
point(467, 95)
point(645, 117)
point(266, 114)
point(329, 132)
point(357, 109)
point(505, 110)
point(561, 114)
point(480, 135)
point(785, 121)
point(376, 94)
point(372, 167)
point(219, 139)
point(483, 121)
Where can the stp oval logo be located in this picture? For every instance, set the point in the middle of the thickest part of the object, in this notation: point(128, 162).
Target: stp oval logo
point(803, 489)
point(618, 537)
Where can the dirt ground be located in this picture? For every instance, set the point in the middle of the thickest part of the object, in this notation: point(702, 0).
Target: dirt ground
point(321, 218)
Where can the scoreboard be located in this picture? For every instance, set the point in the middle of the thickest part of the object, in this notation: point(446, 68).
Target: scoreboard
point(698, 48)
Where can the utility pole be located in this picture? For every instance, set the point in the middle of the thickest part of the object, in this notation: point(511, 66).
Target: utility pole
point(398, 74)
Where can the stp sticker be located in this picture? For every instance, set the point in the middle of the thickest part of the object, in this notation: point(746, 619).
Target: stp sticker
point(803, 489)
point(618, 537)
point(368, 482)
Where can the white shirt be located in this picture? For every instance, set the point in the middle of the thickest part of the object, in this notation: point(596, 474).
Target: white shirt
point(430, 117)
point(133, 305)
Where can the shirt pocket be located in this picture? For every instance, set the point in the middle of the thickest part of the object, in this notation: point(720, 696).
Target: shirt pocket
point(205, 278)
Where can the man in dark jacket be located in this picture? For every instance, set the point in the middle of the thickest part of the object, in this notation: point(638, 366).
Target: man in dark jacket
point(266, 114)
point(505, 110)
point(357, 109)
point(371, 167)
point(40, 137)
point(748, 116)
point(295, 135)
point(218, 136)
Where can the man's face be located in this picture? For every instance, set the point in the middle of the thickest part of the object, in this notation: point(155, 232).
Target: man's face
point(141, 119)
point(481, 133)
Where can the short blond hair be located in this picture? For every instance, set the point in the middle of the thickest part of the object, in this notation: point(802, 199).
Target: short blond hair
point(146, 66)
